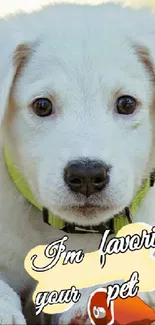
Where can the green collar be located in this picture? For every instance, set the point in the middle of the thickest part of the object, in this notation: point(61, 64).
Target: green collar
point(117, 222)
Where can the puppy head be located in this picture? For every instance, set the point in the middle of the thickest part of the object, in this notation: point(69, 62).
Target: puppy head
point(78, 115)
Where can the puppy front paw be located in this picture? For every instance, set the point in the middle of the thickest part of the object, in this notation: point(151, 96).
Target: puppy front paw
point(77, 318)
point(77, 314)
point(9, 315)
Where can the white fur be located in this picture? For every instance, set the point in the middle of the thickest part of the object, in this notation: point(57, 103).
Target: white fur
point(83, 55)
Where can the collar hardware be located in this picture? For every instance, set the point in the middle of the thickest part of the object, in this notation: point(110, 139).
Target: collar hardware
point(152, 178)
point(73, 228)
point(45, 215)
point(128, 215)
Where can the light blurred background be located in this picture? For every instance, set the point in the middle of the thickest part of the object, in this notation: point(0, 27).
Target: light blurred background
point(12, 6)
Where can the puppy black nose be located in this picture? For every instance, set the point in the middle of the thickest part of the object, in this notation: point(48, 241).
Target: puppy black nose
point(86, 176)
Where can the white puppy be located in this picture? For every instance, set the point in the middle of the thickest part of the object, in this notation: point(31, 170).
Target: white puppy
point(77, 119)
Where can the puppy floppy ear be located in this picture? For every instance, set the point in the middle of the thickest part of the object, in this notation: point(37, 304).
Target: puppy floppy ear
point(9, 72)
point(145, 49)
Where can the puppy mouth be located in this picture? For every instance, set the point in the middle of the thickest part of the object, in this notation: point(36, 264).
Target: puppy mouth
point(88, 209)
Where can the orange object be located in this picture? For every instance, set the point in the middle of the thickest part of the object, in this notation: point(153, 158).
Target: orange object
point(98, 310)
point(132, 311)
point(129, 311)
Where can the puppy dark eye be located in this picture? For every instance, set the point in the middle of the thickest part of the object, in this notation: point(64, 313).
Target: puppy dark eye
point(125, 105)
point(42, 107)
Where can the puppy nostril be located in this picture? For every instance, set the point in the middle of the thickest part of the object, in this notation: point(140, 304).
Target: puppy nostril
point(75, 181)
point(98, 180)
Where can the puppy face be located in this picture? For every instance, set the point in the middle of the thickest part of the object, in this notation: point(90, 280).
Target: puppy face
point(79, 123)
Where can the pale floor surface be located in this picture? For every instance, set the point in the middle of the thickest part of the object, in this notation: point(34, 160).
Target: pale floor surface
point(11, 6)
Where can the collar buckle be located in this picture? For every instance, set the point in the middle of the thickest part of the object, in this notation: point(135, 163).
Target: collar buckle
point(76, 229)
